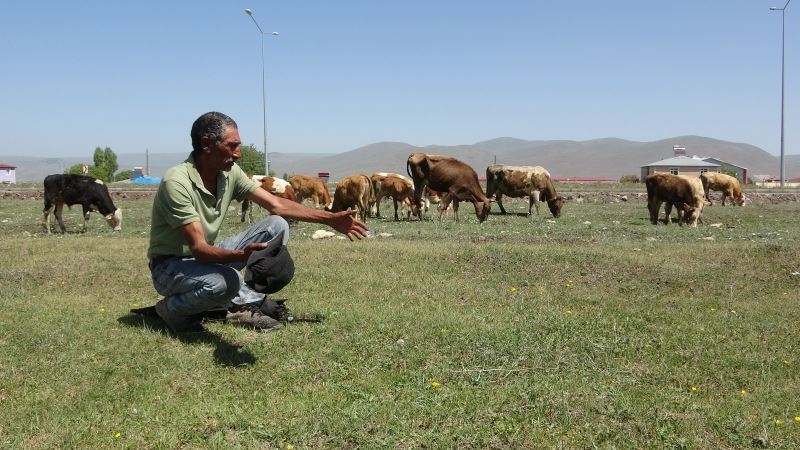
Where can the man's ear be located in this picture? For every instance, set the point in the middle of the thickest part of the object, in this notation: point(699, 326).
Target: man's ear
point(205, 143)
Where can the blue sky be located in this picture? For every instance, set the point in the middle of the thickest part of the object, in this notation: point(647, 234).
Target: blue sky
point(134, 75)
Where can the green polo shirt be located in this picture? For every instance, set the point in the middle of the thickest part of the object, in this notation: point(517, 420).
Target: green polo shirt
point(182, 199)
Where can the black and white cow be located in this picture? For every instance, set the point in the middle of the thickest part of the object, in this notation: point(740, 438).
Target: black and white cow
point(91, 193)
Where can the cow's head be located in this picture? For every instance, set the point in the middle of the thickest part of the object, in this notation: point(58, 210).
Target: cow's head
point(482, 209)
point(739, 201)
point(115, 220)
point(555, 205)
point(690, 215)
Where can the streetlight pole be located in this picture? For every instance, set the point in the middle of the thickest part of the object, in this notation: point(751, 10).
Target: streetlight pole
point(249, 12)
point(783, 56)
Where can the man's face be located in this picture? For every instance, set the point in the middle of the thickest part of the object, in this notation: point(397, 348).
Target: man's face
point(226, 152)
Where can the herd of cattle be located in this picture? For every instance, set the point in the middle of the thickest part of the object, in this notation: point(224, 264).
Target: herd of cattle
point(434, 179)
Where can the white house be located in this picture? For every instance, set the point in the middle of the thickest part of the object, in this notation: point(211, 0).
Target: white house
point(8, 174)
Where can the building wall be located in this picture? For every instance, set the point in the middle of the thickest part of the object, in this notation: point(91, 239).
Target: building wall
point(8, 176)
point(685, 170)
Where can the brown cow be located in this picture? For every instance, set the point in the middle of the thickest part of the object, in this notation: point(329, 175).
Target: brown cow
point(448, 175)
point(673, 190)
point(354, 191)
point(522, 181)
point(400, 189)
point(375, 201)
point(728, 185)
point(276, 186)
point(306, 187)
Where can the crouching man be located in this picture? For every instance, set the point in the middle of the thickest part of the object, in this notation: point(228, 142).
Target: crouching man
point(192, 273)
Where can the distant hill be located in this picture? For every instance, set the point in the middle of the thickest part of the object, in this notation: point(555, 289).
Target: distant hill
point(607, 157)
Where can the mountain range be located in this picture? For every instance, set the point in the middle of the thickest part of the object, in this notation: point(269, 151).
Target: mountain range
point(607, 157)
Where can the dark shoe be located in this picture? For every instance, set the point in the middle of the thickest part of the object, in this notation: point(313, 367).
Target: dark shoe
point(251, 316)
point(277, 309)
point(176, 322)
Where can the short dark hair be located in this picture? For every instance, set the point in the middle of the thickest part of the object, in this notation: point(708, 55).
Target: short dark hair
point(211, 125)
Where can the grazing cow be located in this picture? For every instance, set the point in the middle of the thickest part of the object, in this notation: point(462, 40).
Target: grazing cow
point(448, 175)
point(355, 192)
point(276, 186)
point(91, 193)
point(522, 181)
point(306, 187)
point(698, 193)
point(430, 196)
point(375, 201)
point(400, 189)
point(728, 185)
point(673, 190)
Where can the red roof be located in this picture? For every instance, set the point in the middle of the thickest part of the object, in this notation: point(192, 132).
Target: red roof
point(584, 180)
point(6, 166)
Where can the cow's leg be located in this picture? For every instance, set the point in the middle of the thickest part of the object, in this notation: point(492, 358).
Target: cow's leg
point(499, 199)
point(668, 212)
point(396, 217)
point(724, 195)
point(86, 212)
point(378, 199)
point(245, 207)
point(443, 205)
point(58, 211)
point(48, 206)
point(654, 206)
point(455, 209)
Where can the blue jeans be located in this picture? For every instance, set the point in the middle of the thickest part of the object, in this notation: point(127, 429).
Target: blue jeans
point(191, 287)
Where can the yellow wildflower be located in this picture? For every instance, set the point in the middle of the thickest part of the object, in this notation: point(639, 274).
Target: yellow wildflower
point(513, 289)
point(743, 392)
point(568, 312)
point(695, 389)
point(117, 435)
point(797, 419)
point(787, 362)
point(435, 384)
point(289, 447)
point(778, 422)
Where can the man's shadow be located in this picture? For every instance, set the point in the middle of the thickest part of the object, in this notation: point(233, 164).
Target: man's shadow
point(225, 353)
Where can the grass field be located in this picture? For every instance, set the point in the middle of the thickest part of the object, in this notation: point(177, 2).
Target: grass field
point(593, 330)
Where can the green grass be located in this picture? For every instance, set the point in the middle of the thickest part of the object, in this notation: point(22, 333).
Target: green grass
point(537, 333)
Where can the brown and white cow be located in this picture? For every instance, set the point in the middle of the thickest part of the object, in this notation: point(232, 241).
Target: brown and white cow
point(375, 201)
point(276, 186)
point(457, 180)
point(353, 192)
point(533, 182)
point(673, 190)
point(314, 188)
point(728, 185)
point(399, 188)
point(91, 193)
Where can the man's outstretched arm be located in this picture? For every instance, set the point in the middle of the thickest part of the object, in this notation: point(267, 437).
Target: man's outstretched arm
point(344, 221)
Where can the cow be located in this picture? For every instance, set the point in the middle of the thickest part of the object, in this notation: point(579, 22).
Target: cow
point(673, 190)
point(375, 201)
point(354, 191)
point(728, 185)
point(454, 178)
point(400, 189)
point(521, 181)
point(91, 193)
point(306, 187)
point(699, 195)
point(276, 186)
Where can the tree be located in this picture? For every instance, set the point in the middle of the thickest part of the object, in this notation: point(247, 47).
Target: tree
point(124, 175)
point(252, 161)
point(110, 161)
point(99, 157)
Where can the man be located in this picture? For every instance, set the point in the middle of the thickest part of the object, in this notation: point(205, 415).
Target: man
point(192, 273)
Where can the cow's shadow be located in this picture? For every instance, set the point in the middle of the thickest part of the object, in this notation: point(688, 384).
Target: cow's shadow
point(511, 214)
point(225, 353)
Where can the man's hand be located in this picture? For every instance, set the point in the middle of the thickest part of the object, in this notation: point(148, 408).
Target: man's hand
point(345, 222)
point(250, 248)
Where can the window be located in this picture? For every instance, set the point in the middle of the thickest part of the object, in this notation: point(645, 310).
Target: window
point(703, 170)
point(673, 170)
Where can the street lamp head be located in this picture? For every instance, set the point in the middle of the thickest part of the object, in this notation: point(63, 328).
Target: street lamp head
point(248, 11)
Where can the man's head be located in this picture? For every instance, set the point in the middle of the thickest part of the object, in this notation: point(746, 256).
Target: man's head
point(216, 131)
